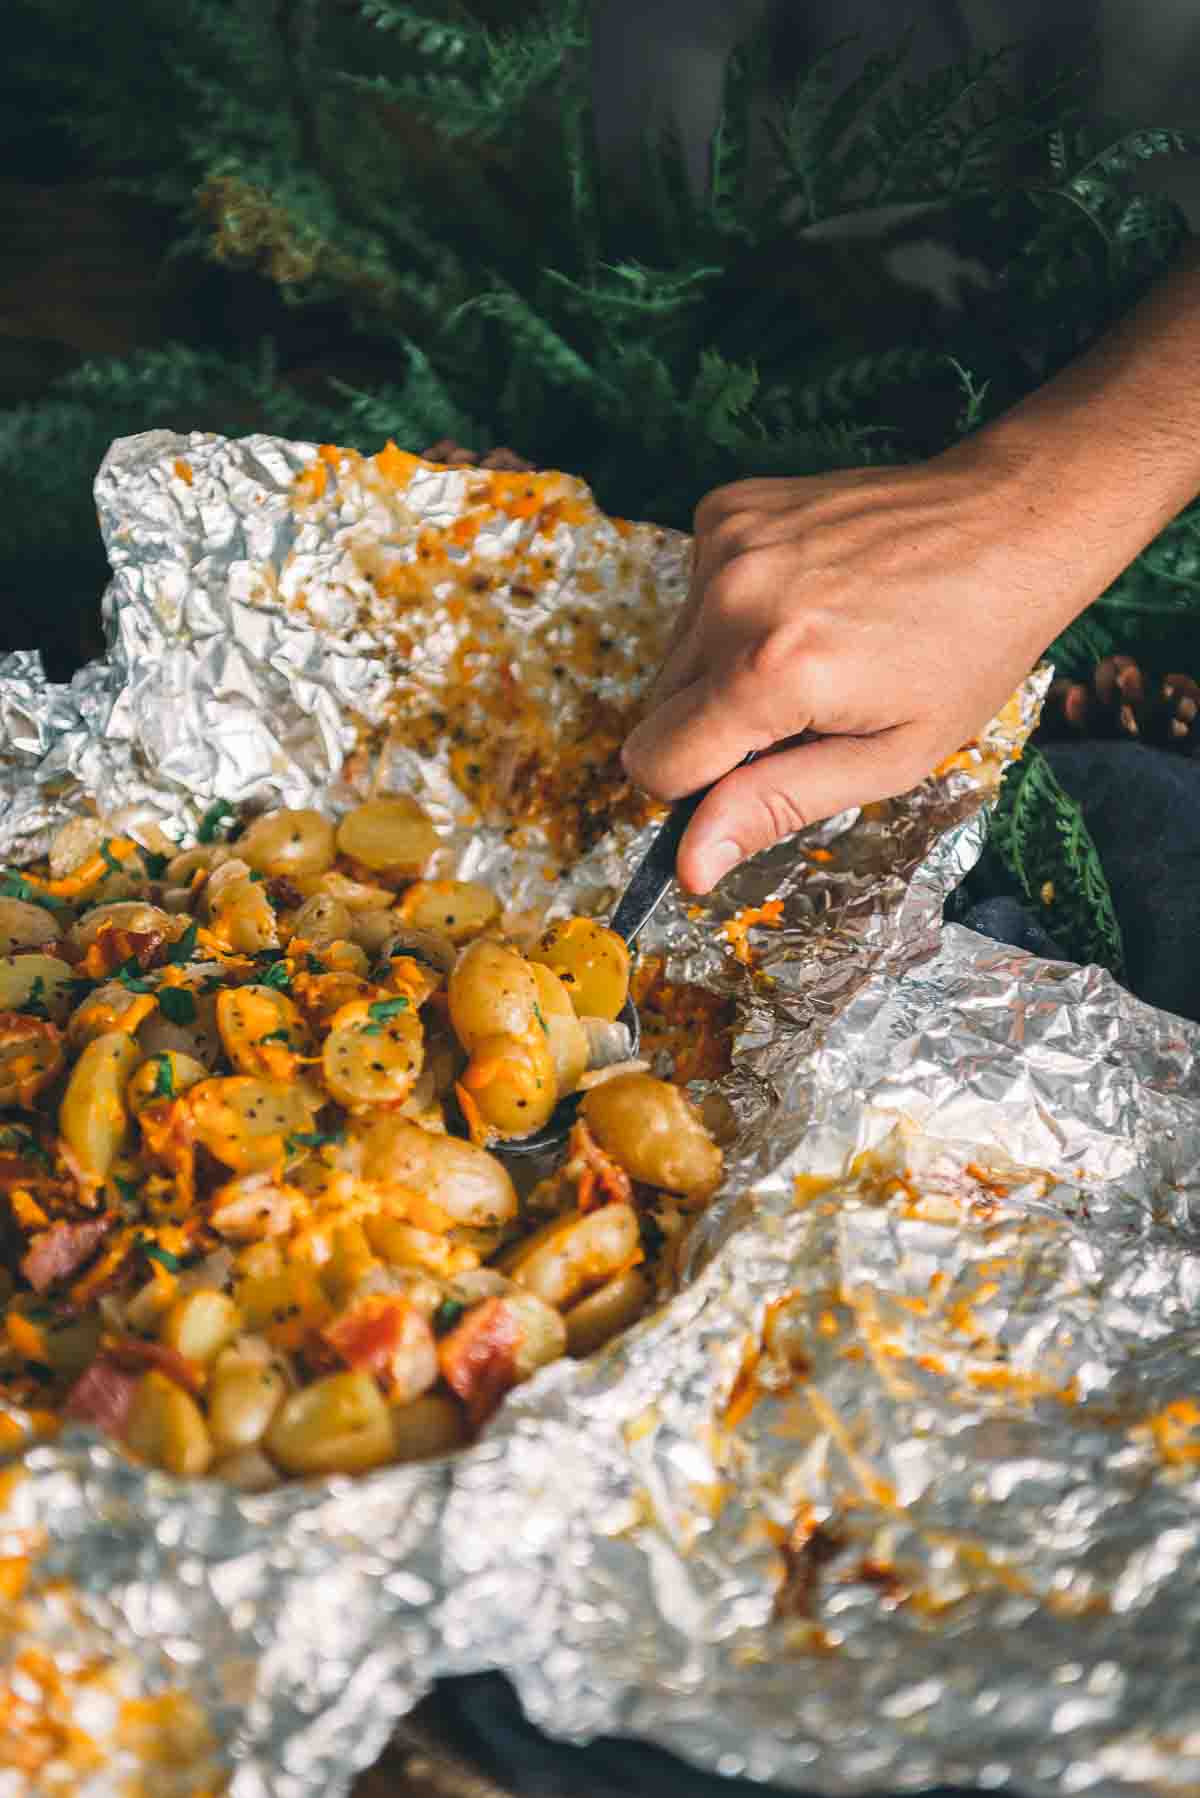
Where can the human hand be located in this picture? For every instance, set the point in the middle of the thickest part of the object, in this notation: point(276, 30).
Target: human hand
point(889, 611)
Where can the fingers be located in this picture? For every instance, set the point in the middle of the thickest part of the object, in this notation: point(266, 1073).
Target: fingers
point(754, 807)
point(693, 738)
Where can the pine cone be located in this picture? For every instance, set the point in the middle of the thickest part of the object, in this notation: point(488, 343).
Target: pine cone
point(1122, 700)
point(453, 455)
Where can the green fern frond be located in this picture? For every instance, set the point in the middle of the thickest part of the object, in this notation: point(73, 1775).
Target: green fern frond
point(442, 41)
point(1040, 835)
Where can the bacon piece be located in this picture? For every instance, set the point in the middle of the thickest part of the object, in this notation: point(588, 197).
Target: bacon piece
point(385, 1335)
point(599, 1180)
point(114, 947)
point(103, 1395)
point(283, 893)
point(478, 1357)
point(135, 1355)
point(57, 1253)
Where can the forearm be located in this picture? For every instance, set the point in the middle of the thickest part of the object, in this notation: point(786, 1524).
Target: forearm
point(1108, 452)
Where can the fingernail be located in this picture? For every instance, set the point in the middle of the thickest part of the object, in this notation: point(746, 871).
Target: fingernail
point(720, 859)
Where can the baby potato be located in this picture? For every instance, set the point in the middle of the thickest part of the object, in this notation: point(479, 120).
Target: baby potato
point(341, 1424)
point(543, 1332)
point(262, 1031)
point(242, 917)
point(199, 1038)
point(512, 1082)
point(355, 895)
point(569, 1043)
point(162, 1076)
point(492, 992)
point(246, 1122)
point(322, 920)
point(243, 1396)
point(431, 948)
point(390, 835)
point(373, 1053)
point(571, 1255)
point(289, 842)
point(109, 1007)
point(77, 841)
point(465, 1182)
point(458, 908)
point(655, 1132)
point(199, 1325)
point(166, 1427)
point(26, 926)
point(372, 929)
point(31, 1055)
point(432, 1425)
point(182, 867)
point(592, 962)
point(133, 915)
point(45, 979)
point(92, 1116)
point(403, 1245)
point(247, 1469)
point(596, 1319)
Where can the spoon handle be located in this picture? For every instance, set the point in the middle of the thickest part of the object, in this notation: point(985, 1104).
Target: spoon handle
point(656, 871)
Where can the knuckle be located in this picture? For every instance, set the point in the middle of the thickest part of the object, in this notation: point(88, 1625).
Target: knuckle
point(715, 505)
point(779, 814)
point(733, 531)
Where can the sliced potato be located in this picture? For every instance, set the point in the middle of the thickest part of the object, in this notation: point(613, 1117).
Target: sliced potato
point(77, 841)
point(572, 1255)
point(133, 915)
point(492, 992)
point(596, 1319)
point(166, 1427)
point(433, 1425)
point(162, 1076)
point(246, 1122)
point(391, 836)
point(470, 1186)
point(243, 1397)
point(372, 929)
point(341, 1424)
point(199, 1325)
point(592, 962)
point(570, 1046)
point(242, 917)
point(512, 1082)
point(44, 980)
point(655, 1132)
point(458, 908)
point(109, 1007)
point(289, 842)
point(373, 1053)
point(92, 1117)
point(323, 920)
point(26, 926)
point(262, 1031)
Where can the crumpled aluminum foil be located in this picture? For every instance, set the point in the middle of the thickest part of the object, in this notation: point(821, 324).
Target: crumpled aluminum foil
point(950, 1535)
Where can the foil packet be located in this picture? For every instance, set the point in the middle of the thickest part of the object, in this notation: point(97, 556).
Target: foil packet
point(901, 1486)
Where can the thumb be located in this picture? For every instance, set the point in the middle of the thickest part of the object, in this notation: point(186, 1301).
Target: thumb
point(755, 807)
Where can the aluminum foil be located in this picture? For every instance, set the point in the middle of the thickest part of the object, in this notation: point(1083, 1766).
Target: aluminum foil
point(900, 1488)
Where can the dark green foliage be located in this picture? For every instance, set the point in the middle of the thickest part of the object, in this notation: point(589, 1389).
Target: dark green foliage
point(426, 244)
point(1040, 836)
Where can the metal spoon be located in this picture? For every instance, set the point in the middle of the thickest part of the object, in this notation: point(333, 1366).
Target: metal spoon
point(636, 906)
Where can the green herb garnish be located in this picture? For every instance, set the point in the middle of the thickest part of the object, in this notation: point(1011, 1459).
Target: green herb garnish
point(164, 1079)
point(447, 1315)
point(15, 886)
point(277, 977)
point(111, 862)
point(154, 1251)
point(177, 1004)
point(537, 1012)
point(383, 1009)
point(131, 975)
point(184, 948)
point(210, 824)
point(156, 865)
point(310, 1139)
point(35, 1003)
point(277, 1036)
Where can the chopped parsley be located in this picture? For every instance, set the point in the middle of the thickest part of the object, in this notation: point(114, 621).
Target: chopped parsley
point(277, 1036)
point(383, 1009)
point(35, 1002)
point(215, 818)
point(154, 1251)
point(183, 949)
point(177, 1005)
point(447, 1315)
point(15, 886)
point(111, 862)
point(164, 1079)
point(132, 976)
point(537, 1012)
point(311, 1139)
point(314, 966)
point(156, 865)
point(129, 1191)
point(276, 976)
point(256, 875)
